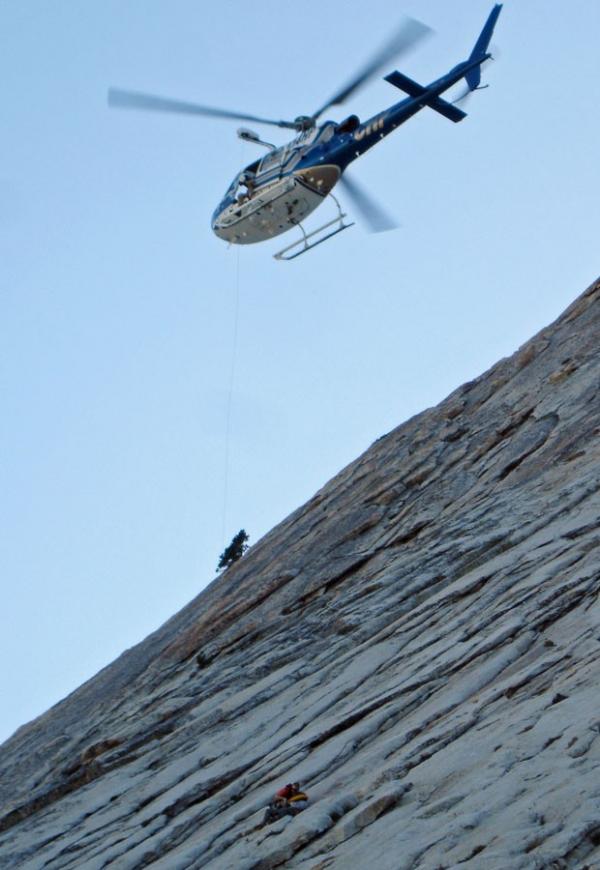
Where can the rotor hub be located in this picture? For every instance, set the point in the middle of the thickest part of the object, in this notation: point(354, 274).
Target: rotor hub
point(304, 122)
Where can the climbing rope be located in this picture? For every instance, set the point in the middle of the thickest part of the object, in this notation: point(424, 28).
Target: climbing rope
point(230, 391)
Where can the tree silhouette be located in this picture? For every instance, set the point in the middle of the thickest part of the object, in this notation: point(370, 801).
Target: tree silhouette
point(235, 551)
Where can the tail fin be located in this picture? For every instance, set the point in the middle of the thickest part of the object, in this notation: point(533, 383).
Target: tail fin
point(473, 77)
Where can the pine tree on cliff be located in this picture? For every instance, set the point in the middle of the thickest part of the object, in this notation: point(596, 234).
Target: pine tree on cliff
point(235, 551)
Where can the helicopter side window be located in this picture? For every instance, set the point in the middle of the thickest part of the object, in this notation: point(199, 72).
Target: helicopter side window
point(327, 133)
point(271, 160)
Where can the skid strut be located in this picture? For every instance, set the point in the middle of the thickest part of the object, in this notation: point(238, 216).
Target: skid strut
point(306, 245)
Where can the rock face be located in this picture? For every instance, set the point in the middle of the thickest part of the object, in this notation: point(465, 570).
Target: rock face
point(419, 646)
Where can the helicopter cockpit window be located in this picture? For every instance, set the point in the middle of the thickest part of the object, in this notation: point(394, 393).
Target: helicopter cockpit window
point(233, 186)
point(239, 181)
point(271, 160)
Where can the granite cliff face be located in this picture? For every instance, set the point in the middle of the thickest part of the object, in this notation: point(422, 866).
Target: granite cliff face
point(418, 645)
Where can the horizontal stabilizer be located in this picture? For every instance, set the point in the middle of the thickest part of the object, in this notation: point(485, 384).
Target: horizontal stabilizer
point(414, 89)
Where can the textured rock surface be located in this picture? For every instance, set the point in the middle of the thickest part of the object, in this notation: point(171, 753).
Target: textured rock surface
point(419, 645)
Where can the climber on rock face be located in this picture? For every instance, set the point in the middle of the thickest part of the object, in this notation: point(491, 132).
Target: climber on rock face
point(288, 801)
point(276, 810)
point(288, 790)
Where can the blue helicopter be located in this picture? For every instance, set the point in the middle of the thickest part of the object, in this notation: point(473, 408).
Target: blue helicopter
point(277, 192)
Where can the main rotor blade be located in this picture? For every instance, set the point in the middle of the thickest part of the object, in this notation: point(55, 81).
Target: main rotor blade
point(408, 35)
point(134, 100)
point(375, 216)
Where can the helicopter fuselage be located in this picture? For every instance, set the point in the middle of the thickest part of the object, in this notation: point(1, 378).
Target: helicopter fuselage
point(273, 195)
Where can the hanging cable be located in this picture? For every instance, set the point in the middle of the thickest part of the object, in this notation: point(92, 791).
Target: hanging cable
point(230, 390)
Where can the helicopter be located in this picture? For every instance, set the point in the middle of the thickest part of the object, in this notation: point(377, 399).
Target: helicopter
point(279, 190)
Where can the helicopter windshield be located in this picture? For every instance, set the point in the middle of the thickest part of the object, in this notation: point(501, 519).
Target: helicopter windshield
point(249, 171)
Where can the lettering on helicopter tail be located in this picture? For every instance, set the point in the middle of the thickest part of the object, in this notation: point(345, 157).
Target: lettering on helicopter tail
point(373, 127)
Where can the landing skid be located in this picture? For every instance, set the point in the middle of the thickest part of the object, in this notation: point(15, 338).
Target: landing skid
point(285, 254)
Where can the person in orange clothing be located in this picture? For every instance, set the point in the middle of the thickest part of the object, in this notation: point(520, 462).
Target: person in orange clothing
point(288, 790)
point(288, 801)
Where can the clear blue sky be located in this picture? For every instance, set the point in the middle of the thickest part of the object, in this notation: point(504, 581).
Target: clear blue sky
point(117, 302)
